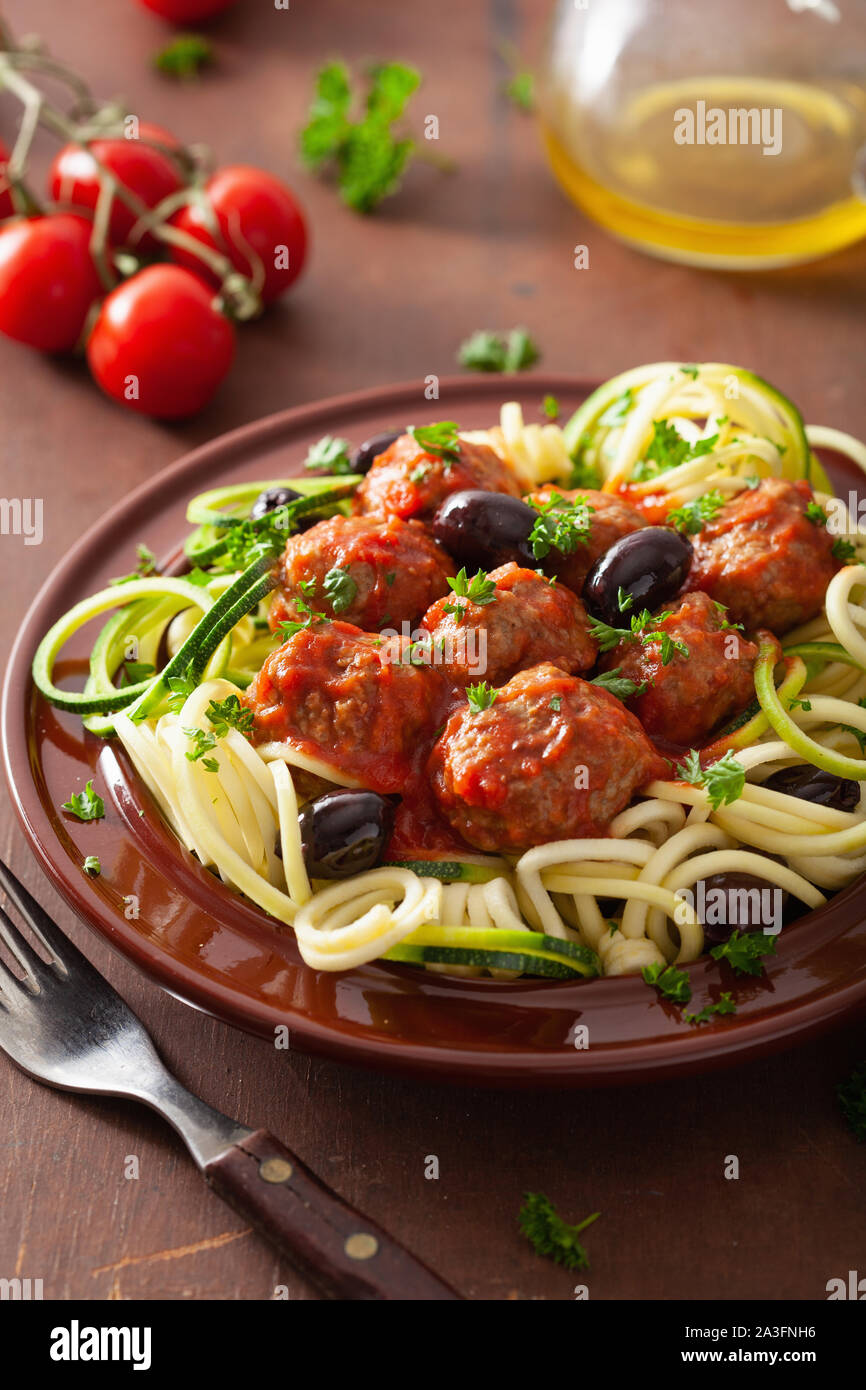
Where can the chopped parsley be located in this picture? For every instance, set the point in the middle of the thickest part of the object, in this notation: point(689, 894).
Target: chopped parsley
point(723, 1005)
point(549, 1235)
point(480, 696)
point(725, 624)
point(668, 449)
point(367, 157)
point(340, 589)
point(92, 865)
point(609, 637)
point(550, 408)
point(851, 1094)
point(331, 453)
point(691, 516)
point(520, 89)
point(419, 473)
point(556, 703)
point(202, 743)
point(690, 370)
point(816, 514)
point(618, 685)
point(843, 550)
point(181, 688)
point(440, 439)
point(743, 952)
point(560, 525)
point(671, 983)
point(146, 565)
point(494, 352)
point(229, 714)
point(288, 628)
point(624, 600)
point(86, 805)
point(723, 780)
point(184, 56)
point(858, 733)
point(480, 589)
point(795, 703)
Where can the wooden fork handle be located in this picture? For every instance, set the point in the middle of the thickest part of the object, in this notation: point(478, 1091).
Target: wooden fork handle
point(343, 1253)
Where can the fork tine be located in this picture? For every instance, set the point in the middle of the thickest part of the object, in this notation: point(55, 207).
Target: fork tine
point(34, 915)
point(23, 952)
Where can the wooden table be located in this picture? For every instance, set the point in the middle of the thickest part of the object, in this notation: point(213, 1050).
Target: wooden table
point(389, 298)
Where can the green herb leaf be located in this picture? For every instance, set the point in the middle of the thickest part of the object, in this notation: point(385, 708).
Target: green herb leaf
point(480, 696)
point(287, 629)
point(185, 56)
point(691, 516)
point(521, 90)
point(440, 439)
point(671, 983)
point(230, 714)
point(491, 352)
point(146, 565)
point(479, 589)
point(86, 805)
point(816, 514)
point(723, 780)
point(724, 1005)
point(202, 742)
point(843, 550)
point(667, 449)
point(550, 407)
point(549, 1235)
point(340, 588)
point(92, 866)
point(561, 525)
point(330, 453)
point(743, 952)
point(617, 412)
point(618, 685)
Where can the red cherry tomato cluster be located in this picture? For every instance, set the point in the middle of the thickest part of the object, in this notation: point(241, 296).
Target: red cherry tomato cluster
point(161, 340)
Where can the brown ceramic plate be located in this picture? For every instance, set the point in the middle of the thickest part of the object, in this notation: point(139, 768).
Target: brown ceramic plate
point(221, 954)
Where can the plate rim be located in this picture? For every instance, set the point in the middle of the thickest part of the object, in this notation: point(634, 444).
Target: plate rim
point(686, 1052)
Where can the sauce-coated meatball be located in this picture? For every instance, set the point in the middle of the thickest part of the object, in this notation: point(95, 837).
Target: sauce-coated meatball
point(552, 758)
point(527, 620)
point(610, 518)
point(764, 559)
point(344, 697)
point(364, 570)
point(407, 482)
point(686, 699)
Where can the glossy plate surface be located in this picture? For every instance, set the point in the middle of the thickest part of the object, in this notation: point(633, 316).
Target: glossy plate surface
point(219, 953)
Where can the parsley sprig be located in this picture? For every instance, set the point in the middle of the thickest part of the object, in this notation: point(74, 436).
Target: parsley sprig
point(671, 983)
point(480, 589)
point(495, 352)
point(481, 696)
point(86, 805)
point(185, 56)
point(290, 626)
point(668, 449)
point(146, 566)
point(441, 439)
point(691, 516)
point(549, 1235)
point(229, 714)
point(743, 951)
point(331, 453)
point(340, 589)
point(620, 686)
point(368, 158)
point(561, 525)
point(723, 780)
point(640, 630)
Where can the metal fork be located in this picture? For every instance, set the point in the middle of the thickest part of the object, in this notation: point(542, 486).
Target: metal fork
point(66, 1026)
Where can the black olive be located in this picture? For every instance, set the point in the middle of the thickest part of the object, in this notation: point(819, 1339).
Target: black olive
point(366, 453)
point(482, 530)
point(739, 909)
point(344, 832)
point(271, 499)
point(813, 784)
point(650, 565)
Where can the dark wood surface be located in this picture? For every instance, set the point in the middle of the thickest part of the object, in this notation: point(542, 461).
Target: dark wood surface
point(386, 299)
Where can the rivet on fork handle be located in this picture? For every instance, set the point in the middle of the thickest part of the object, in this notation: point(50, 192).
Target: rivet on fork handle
point(343, 1253)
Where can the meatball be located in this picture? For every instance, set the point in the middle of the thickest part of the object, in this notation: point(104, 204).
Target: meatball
point(526, 620)
point(345, 697)
point(406, 482)
point(764, 559)
point(687, 697)
point(610, 518)
point(552, 758)
point(364, 570)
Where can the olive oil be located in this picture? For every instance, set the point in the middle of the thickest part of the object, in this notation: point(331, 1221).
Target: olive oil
point(731, 172)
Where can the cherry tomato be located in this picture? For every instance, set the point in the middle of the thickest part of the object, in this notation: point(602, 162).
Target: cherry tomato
point(187, 11)
point(47, 280)
point(7, 208)
point(159, 344)
point(146, 171)
point(259, 221)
